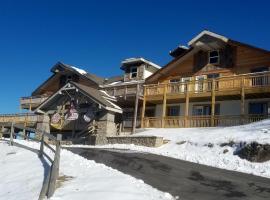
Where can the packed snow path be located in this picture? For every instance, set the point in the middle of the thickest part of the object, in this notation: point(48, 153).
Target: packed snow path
point(180, 178)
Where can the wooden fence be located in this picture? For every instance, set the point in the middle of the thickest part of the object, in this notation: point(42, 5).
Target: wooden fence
point(49, 185)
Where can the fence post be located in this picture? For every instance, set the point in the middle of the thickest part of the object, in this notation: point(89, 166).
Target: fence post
point(11, 134)
point(2, 132)
point(41, 145)
point(55, 167)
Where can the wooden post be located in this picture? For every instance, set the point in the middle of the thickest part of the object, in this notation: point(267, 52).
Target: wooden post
point(30, 106)
point(213, 103)
point(11, 134)
point(55, 167)
point(135, 110)
point(2, 132)
point(143, 107)
point(242, 101)
point(125, 93)
point(164, 106)
point(41, 150)
point(187, 106)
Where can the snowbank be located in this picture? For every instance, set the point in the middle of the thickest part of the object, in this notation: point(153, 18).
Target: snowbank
point(208, 145)
point(89, 180)
point(21, 173)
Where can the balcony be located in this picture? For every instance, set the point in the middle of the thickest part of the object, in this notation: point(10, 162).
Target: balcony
point(253, 83)
point(32, 102)
point(124, 91)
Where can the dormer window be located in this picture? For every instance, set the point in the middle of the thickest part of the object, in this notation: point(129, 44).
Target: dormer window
point(133, 72)
point(213, 57)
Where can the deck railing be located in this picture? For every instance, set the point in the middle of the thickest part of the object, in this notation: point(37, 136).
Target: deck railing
point(123, 90)
point(200, 121)
point(33, 101)
point(230, 83)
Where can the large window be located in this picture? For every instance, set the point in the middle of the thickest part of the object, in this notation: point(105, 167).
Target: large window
point(133, 72)
point(204, 110)
point(173, 110)
point(258, 108)
point(213, 57)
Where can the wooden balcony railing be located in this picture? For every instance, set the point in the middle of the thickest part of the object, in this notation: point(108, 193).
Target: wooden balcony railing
point(124, 90)
point(222, 84)
point(200, 121)
point(32, 102)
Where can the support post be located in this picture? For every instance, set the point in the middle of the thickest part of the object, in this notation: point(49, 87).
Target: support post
point(135, 110)
point(242, 101)
point(30, 106)
point(2, 132)
point(187, 107)
point(143, 107)
point(164, 106)
point(11, 134)
point(213, 103)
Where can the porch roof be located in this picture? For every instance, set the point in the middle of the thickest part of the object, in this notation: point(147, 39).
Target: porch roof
point(92, 93)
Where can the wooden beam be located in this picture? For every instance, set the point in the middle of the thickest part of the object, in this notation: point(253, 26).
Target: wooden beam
point(135, 110)
point(143, 107)
point(213, 103)
point(187, 106)
point(164, 106)
point(242, 100)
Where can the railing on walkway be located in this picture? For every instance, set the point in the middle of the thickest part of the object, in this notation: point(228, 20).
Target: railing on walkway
point(49, 185)
point(200, 121)
point(22, 118)
point(222, 84)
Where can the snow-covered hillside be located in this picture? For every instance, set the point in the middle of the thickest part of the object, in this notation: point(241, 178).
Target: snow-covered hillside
point(208, 145)
point(22, 175)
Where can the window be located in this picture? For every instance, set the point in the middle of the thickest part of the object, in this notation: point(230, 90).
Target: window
point(213, 57)
point(199, 110)
point(174, 80)
point(133, 72)
point(173, 110)
point(258, 108)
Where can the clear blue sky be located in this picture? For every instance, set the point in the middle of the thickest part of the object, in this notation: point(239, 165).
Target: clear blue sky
point(97, 35)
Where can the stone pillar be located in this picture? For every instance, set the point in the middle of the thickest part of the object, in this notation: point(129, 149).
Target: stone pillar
point(105, 127)
point(43, 123)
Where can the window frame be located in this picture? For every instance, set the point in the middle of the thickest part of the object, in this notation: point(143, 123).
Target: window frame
point(131, 73)
point(218, 57)
point(172, 107)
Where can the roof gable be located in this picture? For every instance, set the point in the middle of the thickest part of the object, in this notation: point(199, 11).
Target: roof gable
point(94, 94)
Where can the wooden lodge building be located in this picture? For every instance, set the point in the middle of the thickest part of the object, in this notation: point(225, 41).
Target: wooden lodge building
point(215, 81)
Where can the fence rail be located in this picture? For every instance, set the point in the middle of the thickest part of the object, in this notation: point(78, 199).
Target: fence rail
point(49, 185)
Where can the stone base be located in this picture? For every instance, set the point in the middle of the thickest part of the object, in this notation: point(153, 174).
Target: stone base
point(148, 141)
point(97, 140)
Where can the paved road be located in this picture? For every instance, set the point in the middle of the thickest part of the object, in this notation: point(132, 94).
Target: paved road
point(180, 178)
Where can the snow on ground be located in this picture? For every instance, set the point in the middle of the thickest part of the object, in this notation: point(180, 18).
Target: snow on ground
point(85, 179)
point(202, 145)
point(19, 179)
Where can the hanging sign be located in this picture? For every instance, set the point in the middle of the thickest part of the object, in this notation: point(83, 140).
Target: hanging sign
point(89, 115)
point(72, 114)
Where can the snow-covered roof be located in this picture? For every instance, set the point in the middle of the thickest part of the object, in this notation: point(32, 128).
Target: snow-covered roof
point(206, 32)
point(134, 60)
point(81, 71)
